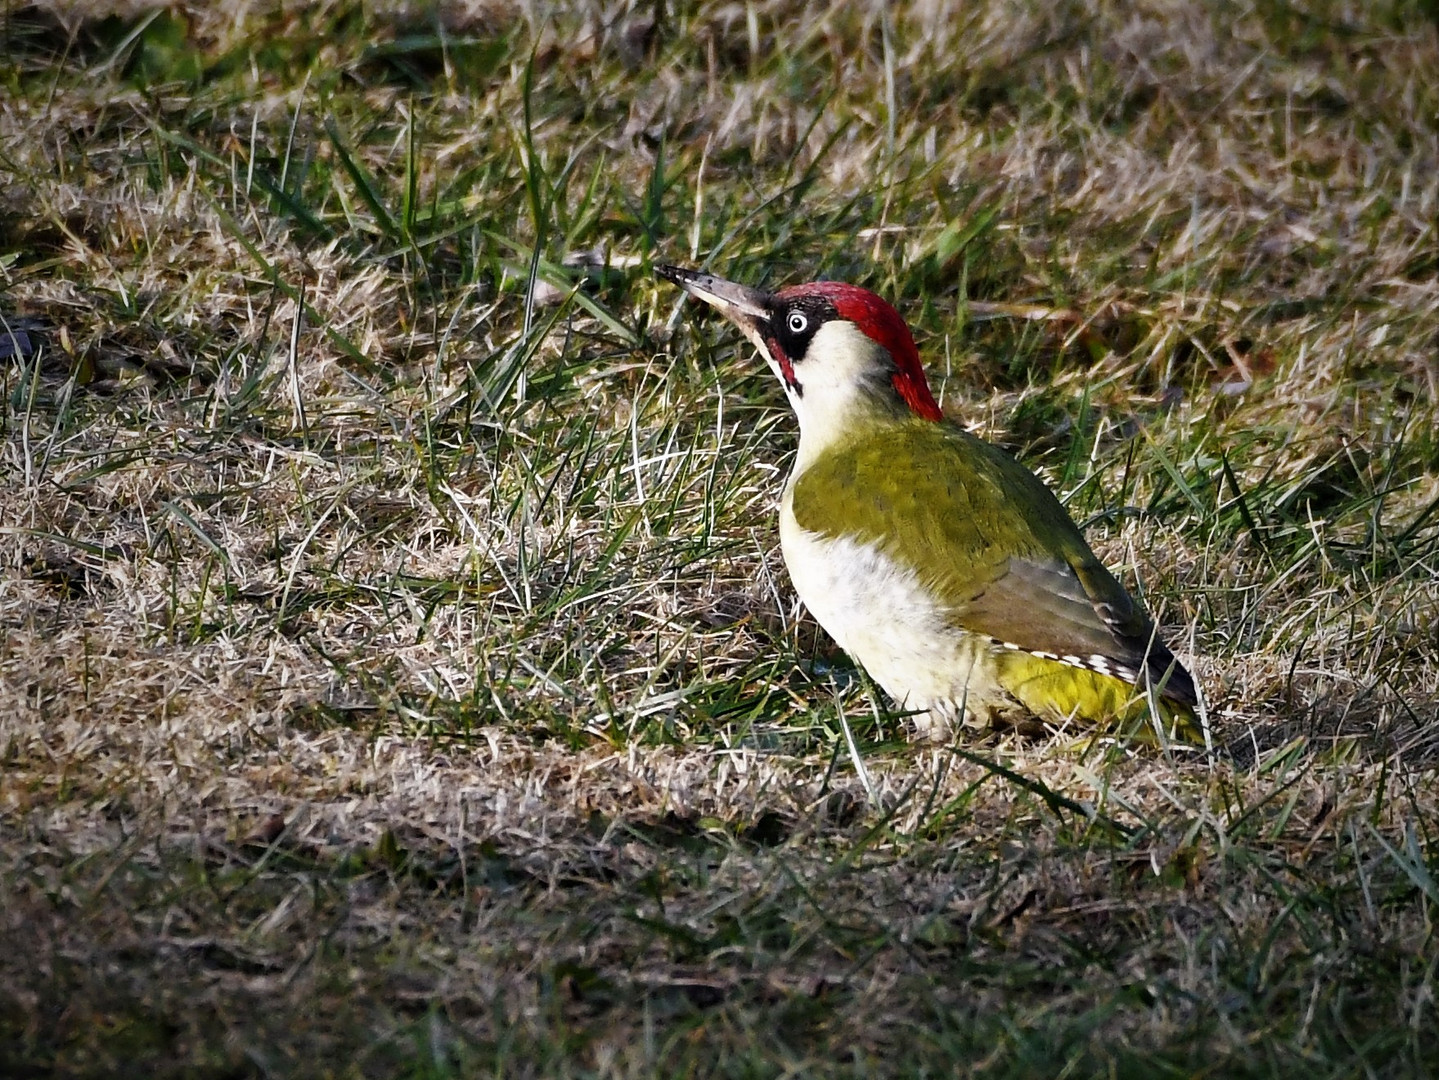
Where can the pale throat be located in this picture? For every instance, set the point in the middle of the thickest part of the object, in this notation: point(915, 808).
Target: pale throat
point(845, 387)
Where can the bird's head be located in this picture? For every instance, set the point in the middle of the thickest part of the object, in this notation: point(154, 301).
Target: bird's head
point(836, 348)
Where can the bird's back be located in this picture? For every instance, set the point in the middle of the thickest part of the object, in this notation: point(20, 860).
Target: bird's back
point(940, 561)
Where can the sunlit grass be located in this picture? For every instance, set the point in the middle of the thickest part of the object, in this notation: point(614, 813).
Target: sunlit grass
point(399, 675)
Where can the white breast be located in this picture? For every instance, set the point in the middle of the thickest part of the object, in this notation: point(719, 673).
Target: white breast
point(880, 613)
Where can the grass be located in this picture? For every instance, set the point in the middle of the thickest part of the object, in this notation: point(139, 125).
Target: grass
point(399, 676)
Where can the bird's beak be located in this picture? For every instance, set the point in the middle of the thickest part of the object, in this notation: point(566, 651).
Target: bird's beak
point(745, 307)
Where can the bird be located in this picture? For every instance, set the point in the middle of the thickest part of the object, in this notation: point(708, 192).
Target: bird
point(938, 562)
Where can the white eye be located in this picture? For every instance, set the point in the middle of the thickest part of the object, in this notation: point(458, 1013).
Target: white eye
point(797, 322)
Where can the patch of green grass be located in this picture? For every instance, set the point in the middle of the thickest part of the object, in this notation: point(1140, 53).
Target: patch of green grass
point(399, 675)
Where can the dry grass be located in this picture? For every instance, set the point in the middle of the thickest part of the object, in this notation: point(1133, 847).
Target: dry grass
point(398, 673)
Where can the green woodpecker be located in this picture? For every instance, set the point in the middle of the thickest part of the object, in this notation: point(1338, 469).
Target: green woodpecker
point(937, 561)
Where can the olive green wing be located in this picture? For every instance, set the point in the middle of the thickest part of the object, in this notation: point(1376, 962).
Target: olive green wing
point(991, 541)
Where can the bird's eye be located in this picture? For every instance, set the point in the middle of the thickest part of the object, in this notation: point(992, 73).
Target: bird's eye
point(797, 322)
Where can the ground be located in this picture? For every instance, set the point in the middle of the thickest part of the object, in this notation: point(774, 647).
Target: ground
point(399, 676)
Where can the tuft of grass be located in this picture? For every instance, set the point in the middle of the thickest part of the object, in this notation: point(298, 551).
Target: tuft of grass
point(398, 673)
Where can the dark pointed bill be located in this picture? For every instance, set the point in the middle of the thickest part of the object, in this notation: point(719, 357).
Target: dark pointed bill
point(747, 308)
